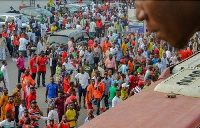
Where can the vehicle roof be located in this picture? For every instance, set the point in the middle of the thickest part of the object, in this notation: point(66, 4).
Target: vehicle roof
point(67, 32)
point(30, 8)
point(10, 14)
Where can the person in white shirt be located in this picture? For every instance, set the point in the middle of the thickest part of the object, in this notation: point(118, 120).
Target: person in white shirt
point(117, 99)
point(90, 116)
point(5, 74)
point(111, 29)
point(19, 23)
point(103, 18)
point(22, 45)
point(67, 65)
point(43, 29)
point(92, 28)
point(53, 114)
point(9, 122)
point(41, 46)
point(78, 26)
point(22, 107)
point(82, 79)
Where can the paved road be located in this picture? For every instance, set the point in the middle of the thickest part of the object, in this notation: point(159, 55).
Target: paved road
point(13, 74)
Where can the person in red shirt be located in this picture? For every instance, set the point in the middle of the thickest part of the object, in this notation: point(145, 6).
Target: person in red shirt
point(31, 96)
point(133, 80)
point(42, 62)
point(64, 55)
point(10, 107)
point(51, 124)
point(90, 42)
point(80, 2)
point(33, 66)
point(64, 123)
point(11, 26)
point(66, 82)
point(99, 25)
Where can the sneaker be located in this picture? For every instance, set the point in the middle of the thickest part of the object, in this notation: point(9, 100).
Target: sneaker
point(102, 110)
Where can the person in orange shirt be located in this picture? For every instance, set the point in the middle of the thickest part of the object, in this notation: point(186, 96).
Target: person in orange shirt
point(3, 103)
point(4, 33)
point(27, 76)
point(98, 94)
point(10, 107)
point(90, 42)
point(131, 64)
point(64, 54)
point(11, 25)
point(64, 123)
point(106, 44)
point(90, 95)
point(51, 124)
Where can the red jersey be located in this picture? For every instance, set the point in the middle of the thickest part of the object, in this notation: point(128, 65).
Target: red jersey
point(50, 126)
point(99, 24)
point(33, 65)
point(66, 85)
point(133, 80)
point(41, 61)
point(31, 97)
point(64, 55)
point(65, 125)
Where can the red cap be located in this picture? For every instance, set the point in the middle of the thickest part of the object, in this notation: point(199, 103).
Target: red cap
point(143, 60)
point(140, 83)
point(139, 50)
point(122, 61)
point(105, 73)
point(27, 70)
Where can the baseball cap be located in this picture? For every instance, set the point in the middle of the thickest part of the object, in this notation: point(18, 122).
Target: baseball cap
point(140, 83)
point(125, 85)
point(33, 101)
point(139, 50)
point(27, 70)
point(143, 60)
point(66, 72)
point(115, 82)
point(105, 73)
point(122, 61)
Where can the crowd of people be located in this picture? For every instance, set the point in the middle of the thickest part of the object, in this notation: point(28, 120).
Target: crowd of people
point(103, 73)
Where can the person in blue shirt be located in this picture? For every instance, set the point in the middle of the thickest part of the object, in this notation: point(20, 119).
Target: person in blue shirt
point(51, 93)
point(118, 55)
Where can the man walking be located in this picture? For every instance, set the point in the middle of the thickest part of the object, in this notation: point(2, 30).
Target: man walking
point(5, 73)
point(42, 62)
point(51, 93)
point(20, 65)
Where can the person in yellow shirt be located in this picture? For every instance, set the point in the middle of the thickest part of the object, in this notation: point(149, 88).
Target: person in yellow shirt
point(160, 52)
point(50, 2)
point(3, 102)
point(71, 115)
point(53, 28)
point(124, 46)
point(151, 45)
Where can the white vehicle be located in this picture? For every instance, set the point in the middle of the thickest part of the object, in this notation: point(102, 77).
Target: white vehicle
point(8, 17)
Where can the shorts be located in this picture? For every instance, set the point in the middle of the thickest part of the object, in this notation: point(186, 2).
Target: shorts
point(81, 91)
point(50, 101)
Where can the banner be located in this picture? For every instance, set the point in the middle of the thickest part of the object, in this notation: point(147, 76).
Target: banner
point(134, 25)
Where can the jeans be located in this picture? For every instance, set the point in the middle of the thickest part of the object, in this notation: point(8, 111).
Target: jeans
point(16, 113)
point(20, 71)
point(53, 70)
point(110, 103)
point(98, 105)
point(33, 75)
point(106, 101)
point(92, 34)
point(43, 77)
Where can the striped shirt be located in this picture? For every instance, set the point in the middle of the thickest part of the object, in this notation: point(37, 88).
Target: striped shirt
point(137, 89)
point(35, 114)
